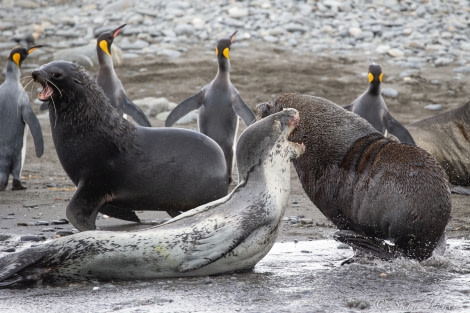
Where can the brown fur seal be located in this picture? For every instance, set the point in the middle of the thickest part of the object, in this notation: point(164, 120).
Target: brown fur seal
point(372, 188)
point(446, 137)
point(119, 167)
point(226, 235)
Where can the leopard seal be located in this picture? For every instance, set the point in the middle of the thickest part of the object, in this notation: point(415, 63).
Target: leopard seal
point(226, 235)
point(446, 137)
point(374, 189)
point(119, 167)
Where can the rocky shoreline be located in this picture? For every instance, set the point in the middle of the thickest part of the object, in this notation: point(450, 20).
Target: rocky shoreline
point(407, 33)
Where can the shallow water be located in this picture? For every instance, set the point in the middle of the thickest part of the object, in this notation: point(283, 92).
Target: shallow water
point(293, 277)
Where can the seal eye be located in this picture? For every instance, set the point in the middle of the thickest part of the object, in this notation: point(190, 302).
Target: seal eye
point(56, 75)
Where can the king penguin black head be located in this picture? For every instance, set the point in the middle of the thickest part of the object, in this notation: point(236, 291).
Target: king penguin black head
point(223, 46)
point(19, 54)
point(375, 73)
point(105, 39)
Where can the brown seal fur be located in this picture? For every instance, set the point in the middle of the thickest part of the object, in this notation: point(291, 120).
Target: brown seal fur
point(447, 138)
point(372, 188)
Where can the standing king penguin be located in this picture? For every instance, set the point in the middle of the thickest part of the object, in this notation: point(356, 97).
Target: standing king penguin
point(110, 82)
point(219, 103)
point(15, 111)
point(371, 106)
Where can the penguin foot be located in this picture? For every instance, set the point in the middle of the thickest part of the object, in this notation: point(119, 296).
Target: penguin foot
point(16, 185)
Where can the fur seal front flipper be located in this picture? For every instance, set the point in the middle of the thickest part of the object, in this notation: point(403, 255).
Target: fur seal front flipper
point(110, 82)
point(118, 166)
point(371, 106)
point(446, 137)
point(219, 103)
point(376, 247)
point(228, 235)
point(15, 114)
point(365, 183)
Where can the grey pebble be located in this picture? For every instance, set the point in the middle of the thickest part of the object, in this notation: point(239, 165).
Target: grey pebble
point(389, 92)
point(31, 238)
point(4, 237)
point(30, 205)
point(41, 223)
point(433, 107)
point(63, 233)
point(358, 304)
point(62, 221)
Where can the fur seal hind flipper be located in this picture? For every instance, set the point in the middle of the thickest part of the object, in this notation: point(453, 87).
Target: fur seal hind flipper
point(243, 110)
point(460, 190)
point(130, 108)
point(377, 247)
point(397, 129)
point(186, 106)
point(34, 127)
point(118, 212)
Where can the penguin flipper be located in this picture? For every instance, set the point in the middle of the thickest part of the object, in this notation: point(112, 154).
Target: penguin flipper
point(397, 129)
point(133, 110)
point(375, 246)
point(243, 110)
point(35, 128)
point(214, 245)
point(184, 107)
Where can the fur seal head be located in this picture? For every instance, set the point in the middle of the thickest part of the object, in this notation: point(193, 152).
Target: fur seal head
point(279, 127)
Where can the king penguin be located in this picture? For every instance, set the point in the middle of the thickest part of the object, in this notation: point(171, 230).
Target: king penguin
point(15, 115)
point(110, 82)
point(219, 103)
point(371, 106)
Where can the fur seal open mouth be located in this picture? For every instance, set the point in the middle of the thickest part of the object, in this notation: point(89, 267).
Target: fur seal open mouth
point(46, 92)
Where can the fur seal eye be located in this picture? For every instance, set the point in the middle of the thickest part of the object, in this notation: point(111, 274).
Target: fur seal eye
point(56, 75)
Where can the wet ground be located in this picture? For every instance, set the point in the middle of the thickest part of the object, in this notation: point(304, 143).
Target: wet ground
point(294, 277)
point(302, 272)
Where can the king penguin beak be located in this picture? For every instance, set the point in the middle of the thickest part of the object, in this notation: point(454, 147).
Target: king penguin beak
point(118, 30)
point(232, 38)
point(30, 50)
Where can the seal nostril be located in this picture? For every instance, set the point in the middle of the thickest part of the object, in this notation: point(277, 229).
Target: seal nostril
point(35, 75)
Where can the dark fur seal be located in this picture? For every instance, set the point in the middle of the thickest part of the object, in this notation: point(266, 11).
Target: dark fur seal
point(446, 137)
point(372, 188)
point(371, 106)
point(226, 235)
point(219, 103)
point(15, 114)
point(119, 167)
